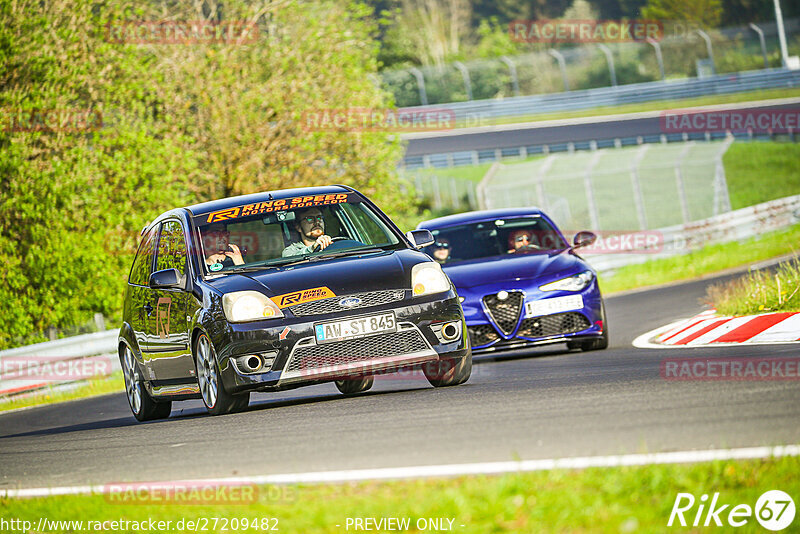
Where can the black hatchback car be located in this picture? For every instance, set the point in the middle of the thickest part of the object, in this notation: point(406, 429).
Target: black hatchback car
point(277, 290)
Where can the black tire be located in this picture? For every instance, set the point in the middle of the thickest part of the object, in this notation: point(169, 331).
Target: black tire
point(351, 386)
point(217, 400)
point(601, 343)
point(143, 406)
point(449, 372)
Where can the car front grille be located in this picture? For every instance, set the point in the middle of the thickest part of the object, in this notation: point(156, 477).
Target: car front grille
point(331, 305)
point(481, 334)
point(504, 313)
point(357, 350)
point(553, 325)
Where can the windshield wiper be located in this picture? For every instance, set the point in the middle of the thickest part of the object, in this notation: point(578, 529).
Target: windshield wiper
point(331, 255)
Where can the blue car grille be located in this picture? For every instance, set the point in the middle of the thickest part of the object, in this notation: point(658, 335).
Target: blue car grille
point(553, 325)
point(481, 334)
point(504, 313)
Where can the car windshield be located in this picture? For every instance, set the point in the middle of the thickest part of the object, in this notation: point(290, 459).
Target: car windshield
point(494, 238)
point(286, 231)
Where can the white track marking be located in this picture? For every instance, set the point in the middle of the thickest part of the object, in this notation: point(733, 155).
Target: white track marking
point(451, 470)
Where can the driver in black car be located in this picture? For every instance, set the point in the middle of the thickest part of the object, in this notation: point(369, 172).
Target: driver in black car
point(310, 224)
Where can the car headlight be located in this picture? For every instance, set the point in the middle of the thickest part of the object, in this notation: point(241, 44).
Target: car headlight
point(572, 283)
point(243, 306)
point(428, 278)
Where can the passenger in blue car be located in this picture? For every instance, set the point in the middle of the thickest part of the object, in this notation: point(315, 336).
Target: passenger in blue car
point(441, 250)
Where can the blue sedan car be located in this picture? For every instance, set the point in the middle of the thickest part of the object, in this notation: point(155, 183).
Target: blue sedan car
point(520, 282)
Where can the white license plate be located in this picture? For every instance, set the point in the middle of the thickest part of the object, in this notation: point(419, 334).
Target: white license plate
point(554, 305)
point(356, 327)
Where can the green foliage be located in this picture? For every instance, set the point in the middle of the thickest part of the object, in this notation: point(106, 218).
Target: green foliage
point(759, 291)
point(180, 124)
point(706, 13)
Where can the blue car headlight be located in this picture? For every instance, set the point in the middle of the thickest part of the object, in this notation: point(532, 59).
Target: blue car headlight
point(573, 283)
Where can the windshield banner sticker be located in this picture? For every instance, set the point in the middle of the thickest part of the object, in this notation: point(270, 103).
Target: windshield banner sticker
point(299, 297)
point(269, 206)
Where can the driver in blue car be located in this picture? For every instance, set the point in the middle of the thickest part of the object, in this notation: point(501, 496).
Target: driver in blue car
point(310, 224)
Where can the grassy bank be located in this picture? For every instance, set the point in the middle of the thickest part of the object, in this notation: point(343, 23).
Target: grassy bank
point(761, 171)
point(627, 499)
point(767, 94)
point(759, 292)
point(707, 260)
point(100, 386)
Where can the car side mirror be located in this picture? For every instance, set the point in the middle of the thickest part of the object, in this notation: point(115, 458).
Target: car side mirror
point(167, 279)
point(583, 239)
point(420, 238)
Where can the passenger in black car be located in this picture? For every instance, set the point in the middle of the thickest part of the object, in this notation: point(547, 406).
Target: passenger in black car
point(216, 240)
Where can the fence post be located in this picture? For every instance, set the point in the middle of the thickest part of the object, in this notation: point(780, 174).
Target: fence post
point(638, 196)
point(513, 69)
point(722, 200)
point(483, 197)
point(423, 94)
point(437, 195)
point(543, 170)
point(454, 193)
point(610, 60)
point(562, 65)
point(679, 182)
point(655, 44)
point(707, 39)
point(465, 75)
point(763, 44)
point(587, 183)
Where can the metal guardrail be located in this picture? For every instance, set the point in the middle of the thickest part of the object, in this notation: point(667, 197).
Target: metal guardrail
point(62, 361)
point(735, 225)
point(98, 350)
point(624, 94)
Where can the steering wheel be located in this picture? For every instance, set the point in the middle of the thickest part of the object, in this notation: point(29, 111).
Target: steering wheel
point(333, 240)
point(530, 246)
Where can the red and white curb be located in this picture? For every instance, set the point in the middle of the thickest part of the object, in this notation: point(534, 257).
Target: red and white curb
point(710, 329)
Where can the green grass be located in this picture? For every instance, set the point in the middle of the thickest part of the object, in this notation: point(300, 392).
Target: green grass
point(627, 499)
point(757, 172)
point(100, 386)
point(766, 94)
point(759, 292)
point(710, 259)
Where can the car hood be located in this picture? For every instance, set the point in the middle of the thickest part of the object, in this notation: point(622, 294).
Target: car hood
point(528, 266)
point(343, 276)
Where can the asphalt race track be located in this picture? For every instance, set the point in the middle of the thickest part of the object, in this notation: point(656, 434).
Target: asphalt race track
point(578, 130)
point(556, 404)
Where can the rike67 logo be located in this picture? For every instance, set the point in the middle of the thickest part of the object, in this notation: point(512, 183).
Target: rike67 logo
point(774, 510)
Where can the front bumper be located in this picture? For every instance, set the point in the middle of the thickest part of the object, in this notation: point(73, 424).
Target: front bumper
point(529, 331)
point(299, 359)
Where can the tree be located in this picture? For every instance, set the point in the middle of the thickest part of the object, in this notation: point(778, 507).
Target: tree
point(181, 124)
point(706, 13)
